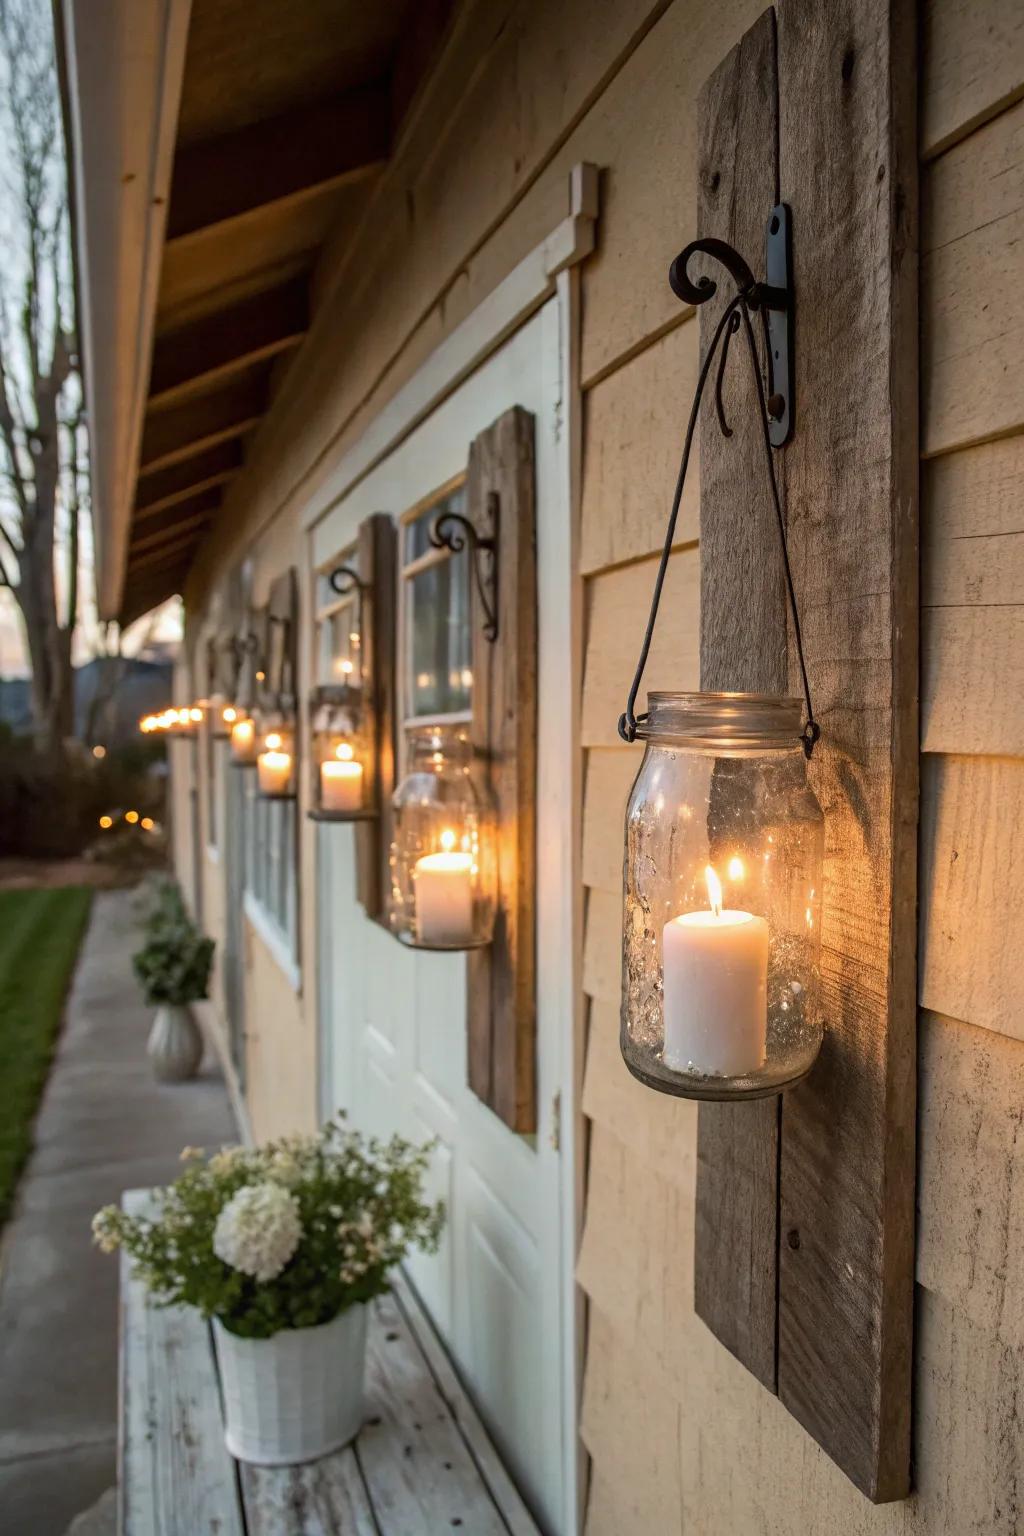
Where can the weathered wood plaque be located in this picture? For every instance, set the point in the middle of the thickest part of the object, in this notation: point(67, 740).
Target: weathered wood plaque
point(815, 1193)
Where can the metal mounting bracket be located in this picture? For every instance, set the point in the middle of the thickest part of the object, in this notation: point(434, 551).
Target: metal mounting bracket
point(452, 531)
point(780, 322)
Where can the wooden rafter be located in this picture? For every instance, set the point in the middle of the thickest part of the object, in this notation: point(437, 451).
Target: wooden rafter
point(283, 159)
point(164, 552)
point(174, 434)
point(171, 533)
point(164, 488)
point(194, 357)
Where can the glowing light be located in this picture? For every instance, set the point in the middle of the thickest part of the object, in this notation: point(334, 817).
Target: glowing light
point(346, 668)
point(448, 840)
point(736, 869)
point(106, 821)
point(99, 752)
point(147, 824)
point(195, 714)
point(150, 723)
point(273, 742)
point(261, 677)
point(424, 679)
point(344, 751)
point(467, 677)
point(131, 817)
point(230, 715)
point(437, 758)
point(714, 890)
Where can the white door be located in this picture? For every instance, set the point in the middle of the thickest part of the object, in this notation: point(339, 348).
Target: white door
point(393, 1020)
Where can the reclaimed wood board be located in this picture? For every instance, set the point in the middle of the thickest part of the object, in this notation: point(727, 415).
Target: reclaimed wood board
point(848, 156)
point(501, 1002)
point(377, 546)
point(742, 646)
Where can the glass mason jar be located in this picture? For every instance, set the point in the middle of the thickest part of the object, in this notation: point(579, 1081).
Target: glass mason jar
point(244, 739)
point(722, 894)
point(275, 763)
point(443, 852)
point(343, 787)
point(222, 716)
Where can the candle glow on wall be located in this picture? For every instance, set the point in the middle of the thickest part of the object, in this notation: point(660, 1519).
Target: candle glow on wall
point(343, 785)
point(275, 764)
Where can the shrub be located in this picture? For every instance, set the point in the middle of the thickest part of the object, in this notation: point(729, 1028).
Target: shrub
point(174, 963)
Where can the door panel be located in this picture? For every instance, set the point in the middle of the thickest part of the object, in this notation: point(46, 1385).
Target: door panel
point(394, 1020)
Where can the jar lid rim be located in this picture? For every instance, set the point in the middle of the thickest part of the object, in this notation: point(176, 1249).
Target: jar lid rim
point(723, 719)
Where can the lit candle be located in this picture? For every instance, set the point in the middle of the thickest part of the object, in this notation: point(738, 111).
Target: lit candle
point(341, 781)
point(444, 895)
point(716, 989)
point(243, 740)
point(274, 771)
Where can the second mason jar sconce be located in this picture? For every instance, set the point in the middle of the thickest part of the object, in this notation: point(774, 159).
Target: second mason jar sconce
point(443, 858)
point(341, 721)
point(724, 838)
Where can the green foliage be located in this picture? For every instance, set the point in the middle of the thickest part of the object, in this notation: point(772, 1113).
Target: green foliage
point(40, 932)
point(361, 1208)
point(174, 964)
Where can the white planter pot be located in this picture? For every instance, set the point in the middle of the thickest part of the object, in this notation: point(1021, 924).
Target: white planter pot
point(175, 1046)
point(295, 1396)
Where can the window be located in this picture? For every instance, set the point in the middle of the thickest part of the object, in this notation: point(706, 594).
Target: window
point(271, 868)
point(338, 624)
point(436, 619)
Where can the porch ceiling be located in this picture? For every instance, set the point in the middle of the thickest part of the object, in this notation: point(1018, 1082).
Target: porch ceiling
point(285, 117)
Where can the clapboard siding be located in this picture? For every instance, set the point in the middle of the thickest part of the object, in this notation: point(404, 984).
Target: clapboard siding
point(974, 66)
point(739, 1463)
point(617, 604)
point(609, 778)
point(972, 299)
point(972, 915)
point(633, 425)
point(972, 591)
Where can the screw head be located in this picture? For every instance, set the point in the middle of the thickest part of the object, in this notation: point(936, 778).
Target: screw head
point(776, 406)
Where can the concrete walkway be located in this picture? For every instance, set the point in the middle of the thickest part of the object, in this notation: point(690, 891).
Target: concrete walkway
point(104, 1126)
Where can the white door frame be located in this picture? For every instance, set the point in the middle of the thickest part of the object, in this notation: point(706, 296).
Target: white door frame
point(552, 269)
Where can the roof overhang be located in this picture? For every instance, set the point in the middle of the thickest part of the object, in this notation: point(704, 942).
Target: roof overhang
point(122, 65)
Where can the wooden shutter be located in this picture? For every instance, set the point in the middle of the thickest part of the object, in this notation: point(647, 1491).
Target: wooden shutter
point(501, 979)
point(376, 548)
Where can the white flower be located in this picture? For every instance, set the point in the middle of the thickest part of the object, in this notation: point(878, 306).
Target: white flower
point(285, 1168)
point(258, 1230)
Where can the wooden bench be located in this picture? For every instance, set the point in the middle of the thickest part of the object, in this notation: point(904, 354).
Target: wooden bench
point(423, 1462)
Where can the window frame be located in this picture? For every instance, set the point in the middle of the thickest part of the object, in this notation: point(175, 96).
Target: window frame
point(407, 570)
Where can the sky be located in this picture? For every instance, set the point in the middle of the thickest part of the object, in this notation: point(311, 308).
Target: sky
point(165, 626)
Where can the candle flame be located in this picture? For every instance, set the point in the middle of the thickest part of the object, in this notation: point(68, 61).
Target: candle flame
point(272, 742)
point(344, 751)
point(447, 840)
point(230, 715)
point(736, 869)
point(714, 890)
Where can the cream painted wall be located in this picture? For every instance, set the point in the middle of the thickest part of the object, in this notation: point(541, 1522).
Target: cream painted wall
point(681, 1437)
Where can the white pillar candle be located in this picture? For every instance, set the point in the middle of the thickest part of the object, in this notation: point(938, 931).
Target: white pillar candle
point(444, 896)
point(243, 740)
point(716, 989)
point(341, 785)
point(274, 770)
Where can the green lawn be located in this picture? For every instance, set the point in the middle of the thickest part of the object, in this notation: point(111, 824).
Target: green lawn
point(40, 932)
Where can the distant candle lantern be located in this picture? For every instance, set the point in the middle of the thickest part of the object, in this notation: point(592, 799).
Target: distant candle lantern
point(275, 765)
point(342, 760)
point(724, 843)
point(443, 856)
point(244, 743)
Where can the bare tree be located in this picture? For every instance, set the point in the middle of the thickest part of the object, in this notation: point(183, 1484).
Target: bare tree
point(41, 427)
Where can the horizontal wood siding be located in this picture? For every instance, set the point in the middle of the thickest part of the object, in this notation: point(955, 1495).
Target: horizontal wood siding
point(680, 1436)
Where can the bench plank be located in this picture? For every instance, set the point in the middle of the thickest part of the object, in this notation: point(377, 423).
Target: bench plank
point(321, 1498)
point(175, 1476)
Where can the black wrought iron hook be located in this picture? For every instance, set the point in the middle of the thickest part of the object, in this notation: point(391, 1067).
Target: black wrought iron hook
point(453, 531)
point(345, 579)
point(757, 295)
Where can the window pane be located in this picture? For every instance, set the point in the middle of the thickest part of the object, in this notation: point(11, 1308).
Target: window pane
point(439, 657)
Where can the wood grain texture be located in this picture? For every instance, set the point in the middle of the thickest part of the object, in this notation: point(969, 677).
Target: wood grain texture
point(847, 1167)
point(377, 552)
point(319, 1498)
point(602, 947)
point(175, 1476)
point(972, 643)
point(418, 1469)
point(633, 422)
point(972, 925)
point(742, 646)
point(501, 1003)
point(616, 607)
point(610, 775)
point(973, 67)
point(659, 1130)
point(972, 386)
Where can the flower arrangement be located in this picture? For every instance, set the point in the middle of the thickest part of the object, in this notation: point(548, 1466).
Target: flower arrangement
point(174, 963)
point(286, 1235)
